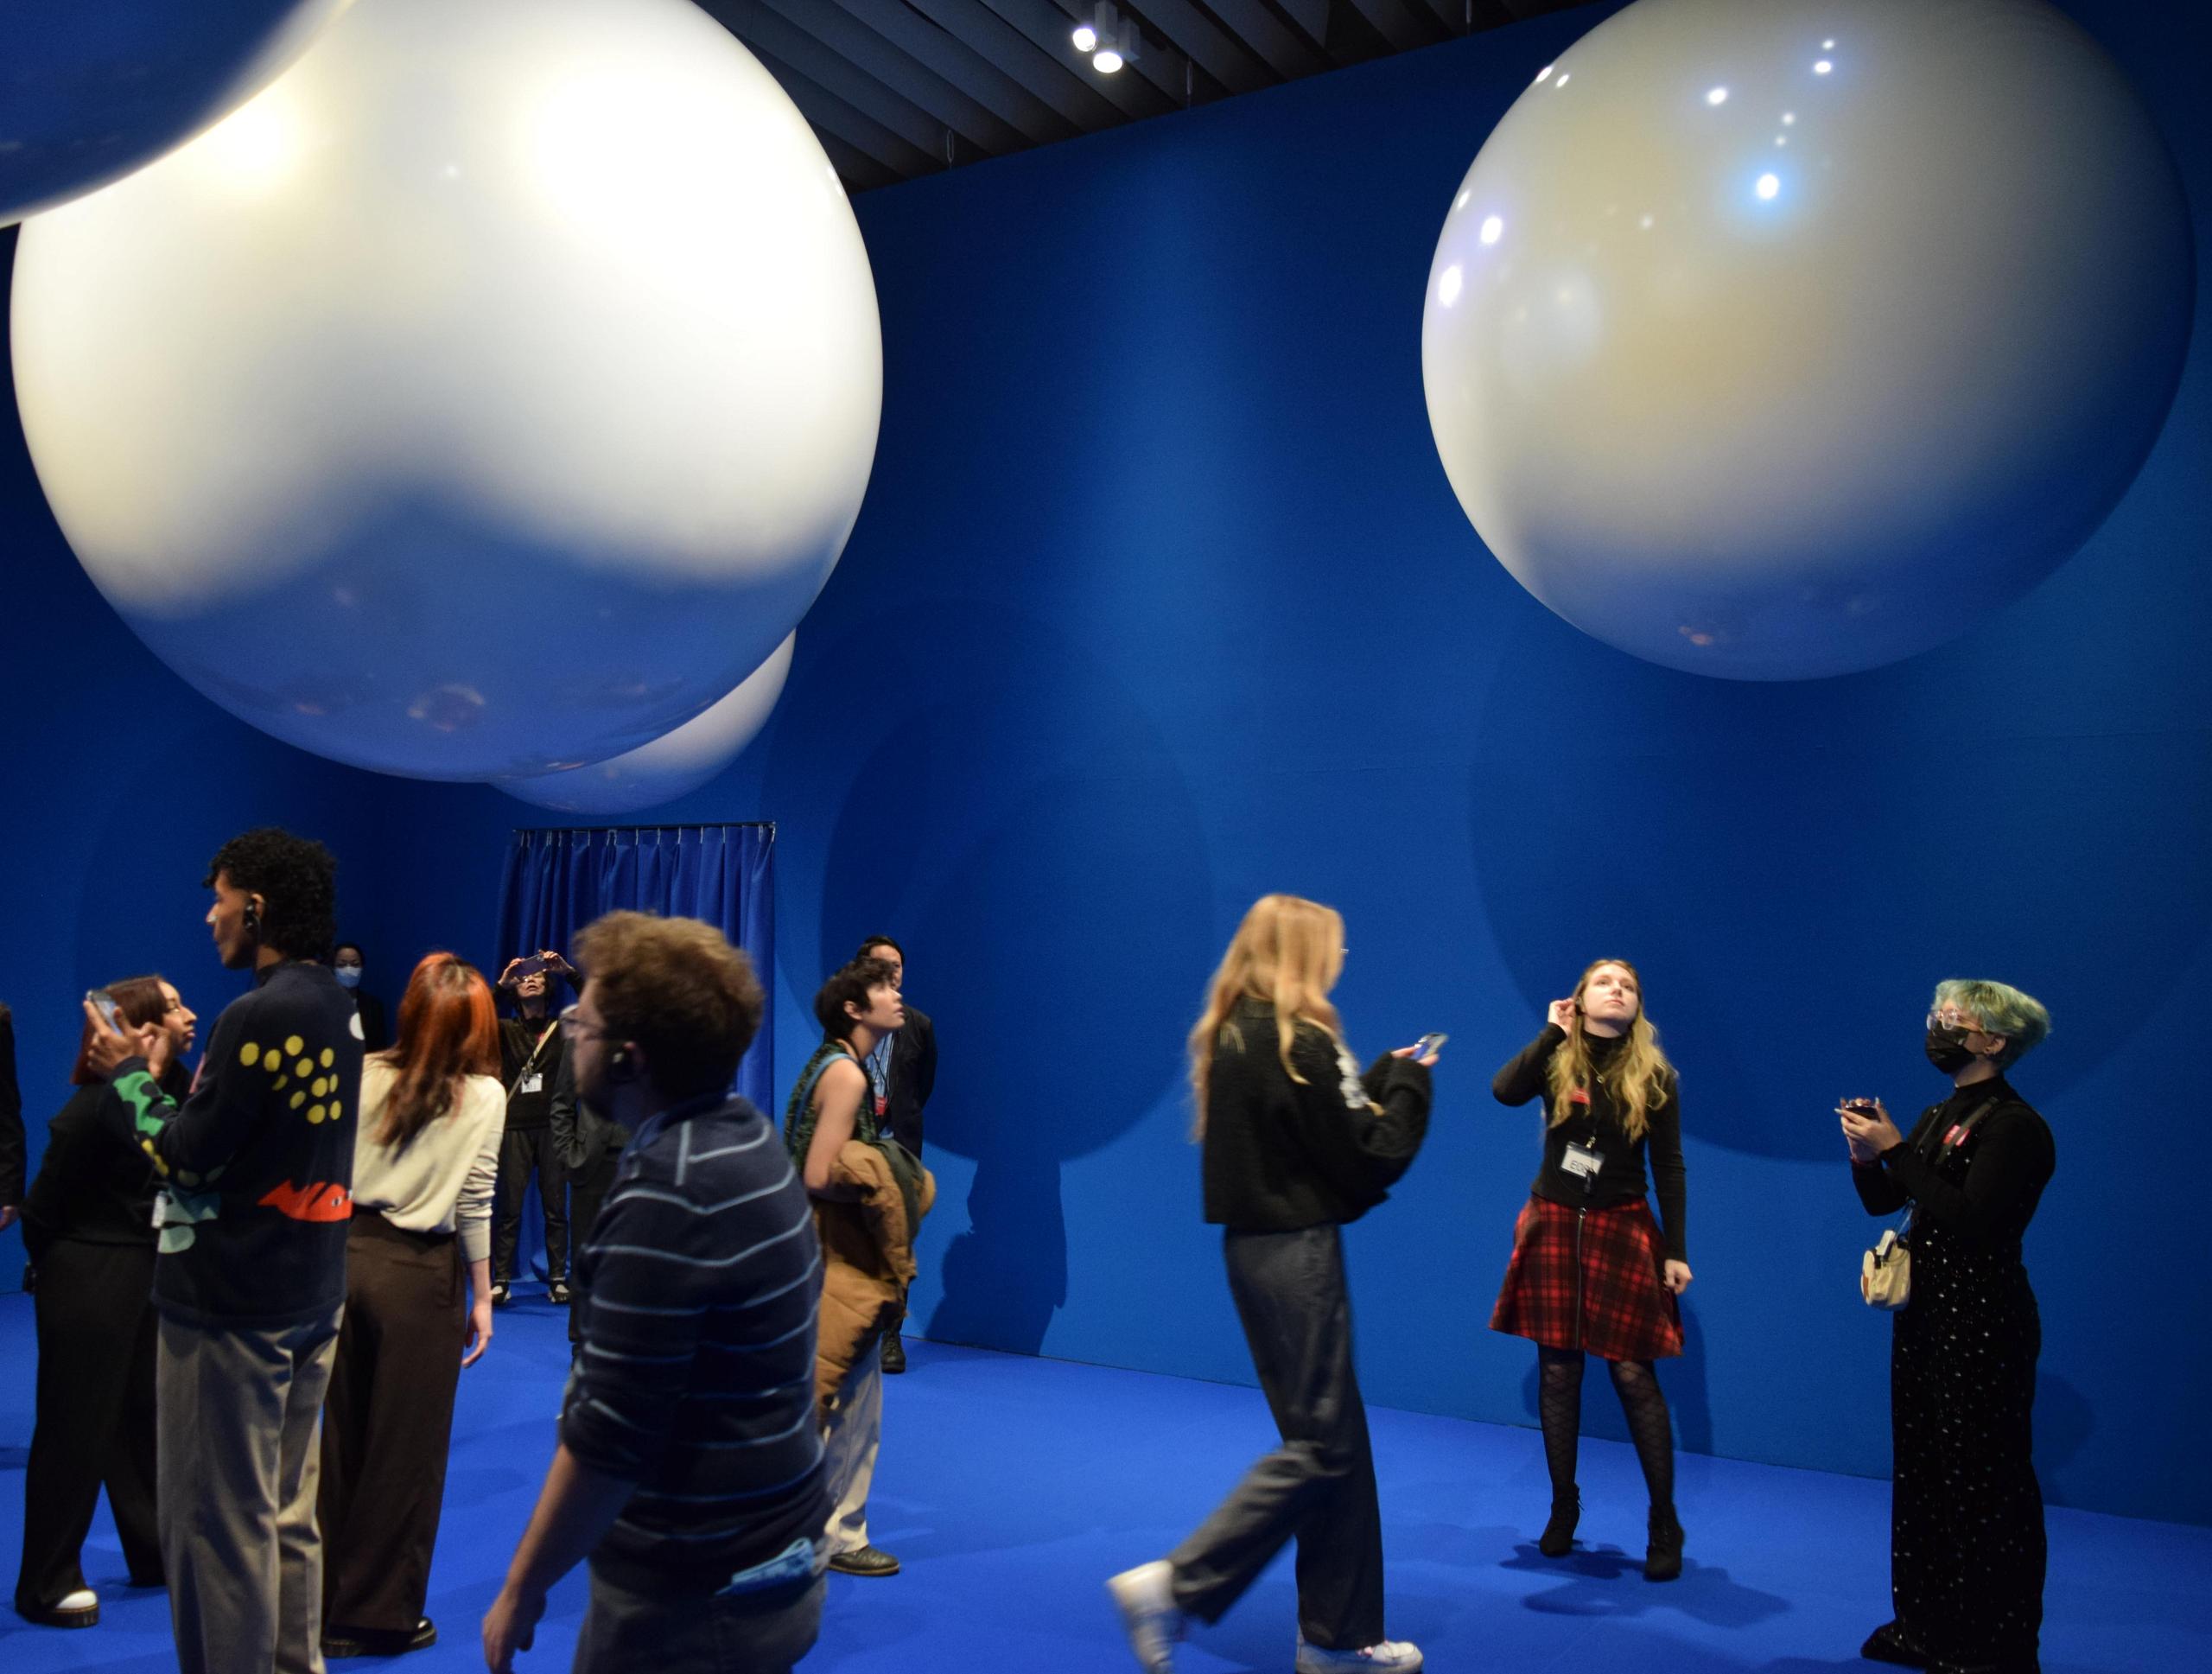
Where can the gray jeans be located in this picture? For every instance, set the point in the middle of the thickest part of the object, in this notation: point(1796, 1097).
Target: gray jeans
point(745, 1634)
point(1318, 1487)
point(240, 1411)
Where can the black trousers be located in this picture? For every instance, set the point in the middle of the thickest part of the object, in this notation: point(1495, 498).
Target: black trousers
point(1318, 1487)
point(387, 1424)
point(1967, 1542)
point(523, 1152)
point(587, 1189)
point(95, 1423)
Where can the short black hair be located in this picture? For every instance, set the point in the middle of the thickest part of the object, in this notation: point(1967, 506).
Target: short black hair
point(297, 881)
point(849, 984)
point(867, 947)
point(336, 948)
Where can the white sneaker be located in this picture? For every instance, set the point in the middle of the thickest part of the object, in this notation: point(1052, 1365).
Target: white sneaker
point(1146, 1596)
point(1394, 1654)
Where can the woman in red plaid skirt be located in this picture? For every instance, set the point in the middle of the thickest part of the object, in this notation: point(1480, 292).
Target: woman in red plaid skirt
point(1592, 1272)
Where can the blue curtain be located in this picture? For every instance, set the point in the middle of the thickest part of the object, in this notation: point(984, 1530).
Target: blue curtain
point(558, 882)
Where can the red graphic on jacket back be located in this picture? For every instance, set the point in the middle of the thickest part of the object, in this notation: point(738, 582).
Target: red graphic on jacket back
point(318, 1202)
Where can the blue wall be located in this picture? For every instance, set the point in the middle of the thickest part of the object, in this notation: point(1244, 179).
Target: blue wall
point(1160, 600)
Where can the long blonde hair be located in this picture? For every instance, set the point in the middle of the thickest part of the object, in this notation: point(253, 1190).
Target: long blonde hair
point(1287, 953)
point(1639, 1078)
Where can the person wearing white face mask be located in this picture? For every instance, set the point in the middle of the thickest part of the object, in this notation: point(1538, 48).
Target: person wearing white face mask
point(348, 966)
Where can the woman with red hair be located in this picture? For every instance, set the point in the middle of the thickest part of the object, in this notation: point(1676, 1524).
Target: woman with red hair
point(425, 1158)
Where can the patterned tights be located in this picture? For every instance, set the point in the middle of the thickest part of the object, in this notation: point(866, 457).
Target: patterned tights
point(1559, 1405)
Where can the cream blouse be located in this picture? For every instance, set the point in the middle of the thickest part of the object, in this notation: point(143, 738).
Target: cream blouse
point(442, 1182)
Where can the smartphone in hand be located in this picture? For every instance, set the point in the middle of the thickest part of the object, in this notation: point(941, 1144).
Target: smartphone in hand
point(104, 1002)
point(1428, 1044)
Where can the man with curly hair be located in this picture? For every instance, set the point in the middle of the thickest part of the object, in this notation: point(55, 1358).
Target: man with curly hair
point(256, 1170)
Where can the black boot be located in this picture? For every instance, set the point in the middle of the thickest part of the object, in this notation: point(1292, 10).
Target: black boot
point(1662, 1559)
point(1558, 1537)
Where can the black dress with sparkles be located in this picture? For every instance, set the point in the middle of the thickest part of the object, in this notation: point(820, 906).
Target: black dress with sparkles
point(1967, 1549)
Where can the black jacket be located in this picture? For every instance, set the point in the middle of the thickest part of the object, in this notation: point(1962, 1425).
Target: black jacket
point(913, 1075)
point(11, 1116)
point(94, 1185)
point(1281, 1154)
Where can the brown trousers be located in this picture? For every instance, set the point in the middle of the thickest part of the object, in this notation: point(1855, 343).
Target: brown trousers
point(388, 1423)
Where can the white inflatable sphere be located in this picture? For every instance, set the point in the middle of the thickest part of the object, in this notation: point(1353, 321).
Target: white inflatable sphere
point(672, 766)
point(91, 89)
point(1771, 339)
point(489, 397)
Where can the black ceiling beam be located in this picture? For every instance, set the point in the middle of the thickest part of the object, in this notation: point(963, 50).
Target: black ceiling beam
point(1401, 25)
point(945, 54)
point(868, 51)
point(999, 43)
point(765, 31)
point(830, 114)
point(1282, 48)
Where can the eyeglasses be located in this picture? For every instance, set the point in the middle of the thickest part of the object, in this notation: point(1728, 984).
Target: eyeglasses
point(1952, 1017)
point(575, 1025)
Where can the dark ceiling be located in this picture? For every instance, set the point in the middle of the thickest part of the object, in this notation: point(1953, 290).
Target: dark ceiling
point(901, 88)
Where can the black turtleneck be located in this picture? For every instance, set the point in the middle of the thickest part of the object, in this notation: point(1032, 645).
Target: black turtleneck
point(1984, 1186)
point(1598, 1125)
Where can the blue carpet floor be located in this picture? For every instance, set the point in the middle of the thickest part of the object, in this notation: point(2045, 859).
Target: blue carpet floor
point(1011, 1486)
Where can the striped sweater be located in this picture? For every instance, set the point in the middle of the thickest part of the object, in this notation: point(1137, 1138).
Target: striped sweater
point(695, 1378)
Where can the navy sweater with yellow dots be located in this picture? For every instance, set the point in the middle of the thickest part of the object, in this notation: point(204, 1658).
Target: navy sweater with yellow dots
point(257, 1165)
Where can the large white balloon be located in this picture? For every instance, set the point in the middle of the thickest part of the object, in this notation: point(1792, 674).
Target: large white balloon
point(1779, 338)
point(489, 397)
point(669, 767)
point(91, 89)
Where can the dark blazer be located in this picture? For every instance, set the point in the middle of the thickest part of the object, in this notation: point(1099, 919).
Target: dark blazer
point(11, 1116)
point(913, 1074)
point(374, 1038)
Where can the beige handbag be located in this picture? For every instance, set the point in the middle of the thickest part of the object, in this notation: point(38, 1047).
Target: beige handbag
point(1886, 1273)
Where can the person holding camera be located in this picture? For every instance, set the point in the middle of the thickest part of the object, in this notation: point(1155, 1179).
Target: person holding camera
point(88, 1224)
point(256, 1169)
point(418, 1306)
point(531, 1051)
point(689, 1469)
point(1298, 1143)
point(1967, 1543)
point(1592, 1272)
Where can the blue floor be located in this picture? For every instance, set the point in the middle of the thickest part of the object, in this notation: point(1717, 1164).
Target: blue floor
point(1013, 1486)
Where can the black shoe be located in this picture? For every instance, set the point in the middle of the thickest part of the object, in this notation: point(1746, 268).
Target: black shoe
point(80, 1609)
point(894, 1355)
point(1558, 1537)
point(2009, 1665)
point(867, 1561)
point(378, 1642)
point(1889, 1643)
point(1662, 1559)
point(500, 1296)
point(557, 1292)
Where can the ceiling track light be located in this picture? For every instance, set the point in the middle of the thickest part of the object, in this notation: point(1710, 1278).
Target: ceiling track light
point(1111, 40)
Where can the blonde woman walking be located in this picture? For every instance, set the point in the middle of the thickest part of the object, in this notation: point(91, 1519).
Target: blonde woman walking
point(1592, 1272)
point(1297, 1142)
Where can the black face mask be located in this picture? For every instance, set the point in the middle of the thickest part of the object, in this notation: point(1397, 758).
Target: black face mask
point(1946, 1049)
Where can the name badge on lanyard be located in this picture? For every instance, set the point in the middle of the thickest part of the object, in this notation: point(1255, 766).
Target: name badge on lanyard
point(1583, 1162)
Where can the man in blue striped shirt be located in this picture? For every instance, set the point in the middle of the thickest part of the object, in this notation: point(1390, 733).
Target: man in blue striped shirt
point(690, 1467)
